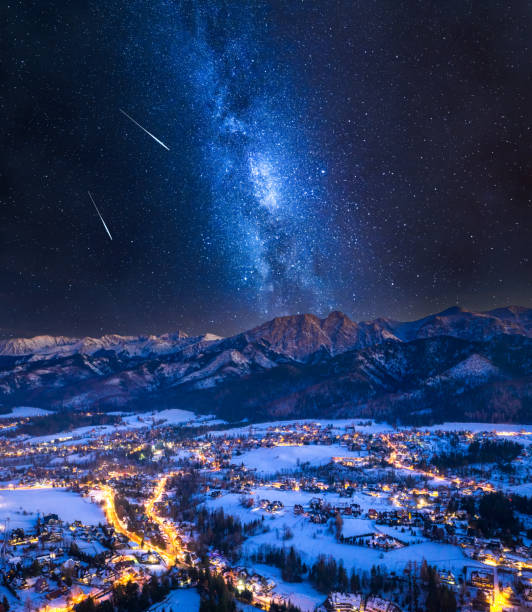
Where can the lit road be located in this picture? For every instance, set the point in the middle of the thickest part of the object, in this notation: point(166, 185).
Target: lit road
point(175, 551)
point(169, 530)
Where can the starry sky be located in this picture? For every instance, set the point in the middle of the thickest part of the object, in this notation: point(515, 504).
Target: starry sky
point(370, 156)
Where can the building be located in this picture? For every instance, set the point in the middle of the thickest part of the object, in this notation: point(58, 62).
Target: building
point(344, 602)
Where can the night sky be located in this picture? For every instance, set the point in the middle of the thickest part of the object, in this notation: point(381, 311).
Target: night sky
point(370, 156)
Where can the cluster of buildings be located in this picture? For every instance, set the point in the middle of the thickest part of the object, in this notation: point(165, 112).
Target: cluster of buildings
point(384, 478)
point(356, 602)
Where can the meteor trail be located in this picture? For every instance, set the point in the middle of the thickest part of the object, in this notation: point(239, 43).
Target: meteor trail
point(99, 215)
point(140, 126)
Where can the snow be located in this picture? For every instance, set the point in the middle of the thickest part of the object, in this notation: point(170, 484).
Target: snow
point(362, 425)
point(474, 366)
point(231, 502)
point(25, 411)
point(479, 427)
point(357, 527)
point(185, 600)
point(79, 458)
point(300, 594)
point(367, 426)
point(270, 460)
point(22, 507)
point(172, 416)
point(76, 436)
point(91, 548)
point(311, 540)
point(523, 489)
point(395, 532)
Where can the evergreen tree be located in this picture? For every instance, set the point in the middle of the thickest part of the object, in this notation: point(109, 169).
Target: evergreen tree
point(354, 582)
point(343, 582)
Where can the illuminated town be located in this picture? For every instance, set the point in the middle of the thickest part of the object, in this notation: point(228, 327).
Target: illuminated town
point(164, 510)
point(266, 306)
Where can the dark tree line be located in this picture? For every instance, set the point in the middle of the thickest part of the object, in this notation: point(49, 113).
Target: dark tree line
point(97, 560)
point(183, 506)
point(288, 561)
point(521, 503)
point(222, 531)
point(492, 515)
point(497, 515)
point(129, 597)
point(440, 598)
point(327, 575)
point(216, 594)
point(219, 596)
point(485, 451)
point(129, 513)
point(63, 421)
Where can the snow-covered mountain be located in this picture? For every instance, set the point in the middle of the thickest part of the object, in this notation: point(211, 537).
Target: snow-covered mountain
point(57, 346)
point(292, 365)
point(296, 336)
point(301, 336)
point(461, 323)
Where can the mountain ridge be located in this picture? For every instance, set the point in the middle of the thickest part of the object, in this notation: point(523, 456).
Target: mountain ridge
point(298, 365)
point(336, 330)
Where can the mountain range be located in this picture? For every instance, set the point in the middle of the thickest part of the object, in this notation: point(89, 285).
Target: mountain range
point(456, 364)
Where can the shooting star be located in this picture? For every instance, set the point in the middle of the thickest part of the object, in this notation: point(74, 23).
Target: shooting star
point(145, 130)
point(99, 215)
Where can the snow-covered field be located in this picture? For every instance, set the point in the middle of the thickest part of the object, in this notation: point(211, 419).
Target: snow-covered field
point(22, 507)
point(277, 458)
point(523, 489)
point(311, 540)
point(300, 594)
point(478, 427)
point(367, 426)
point(363, 425)
point(181, 600)
point(172, 416)
point(24, 411)
point(79, 458)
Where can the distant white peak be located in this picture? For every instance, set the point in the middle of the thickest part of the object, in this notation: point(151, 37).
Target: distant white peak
point(211, 337)
point(27, 346)
point(64, 345)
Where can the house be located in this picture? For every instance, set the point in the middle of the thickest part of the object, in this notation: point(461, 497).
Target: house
point(51, 519)
point(377, 604)
point(482, 580)
point(447, 577)
point(316, 503)
point(41, 585)
point(54, 594)
point(344, 602)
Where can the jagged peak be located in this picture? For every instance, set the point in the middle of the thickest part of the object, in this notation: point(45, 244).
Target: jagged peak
point(512, 309)
point(285, 321)
point(297, 336)
point(337, 315)
point(452, 311)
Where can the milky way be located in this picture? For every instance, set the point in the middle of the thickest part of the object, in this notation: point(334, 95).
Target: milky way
point(264, 188)
point(370, 157)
